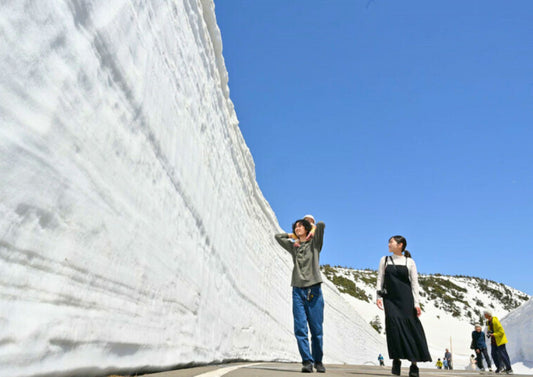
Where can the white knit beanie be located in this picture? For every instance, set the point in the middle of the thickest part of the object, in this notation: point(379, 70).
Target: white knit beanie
point(310, 216)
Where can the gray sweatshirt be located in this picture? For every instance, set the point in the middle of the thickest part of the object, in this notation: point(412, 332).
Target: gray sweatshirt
point(306, 258)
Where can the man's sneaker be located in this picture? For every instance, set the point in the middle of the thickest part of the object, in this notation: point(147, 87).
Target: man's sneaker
point(308, 367)
point(498, 370)
point(396, 367)
point(413, 371)
point(320, 368)
point(509, 371)
point(490, 369)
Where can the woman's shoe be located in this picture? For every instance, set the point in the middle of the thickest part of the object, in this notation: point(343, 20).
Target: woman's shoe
point(413, 371)
point(396, 367)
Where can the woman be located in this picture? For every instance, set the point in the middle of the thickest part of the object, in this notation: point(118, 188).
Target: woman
point(397, 290)
point(307, 299)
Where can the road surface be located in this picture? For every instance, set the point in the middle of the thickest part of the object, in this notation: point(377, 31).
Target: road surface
point(293, 370)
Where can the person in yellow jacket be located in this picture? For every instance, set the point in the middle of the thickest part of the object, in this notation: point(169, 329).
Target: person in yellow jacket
point(498, 340)
point(439, 364)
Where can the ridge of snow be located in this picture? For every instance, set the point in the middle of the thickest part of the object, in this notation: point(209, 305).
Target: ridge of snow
point(518, 324)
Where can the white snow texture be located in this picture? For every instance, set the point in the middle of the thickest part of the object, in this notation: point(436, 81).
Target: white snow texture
point(518, 326)
point(133, 234)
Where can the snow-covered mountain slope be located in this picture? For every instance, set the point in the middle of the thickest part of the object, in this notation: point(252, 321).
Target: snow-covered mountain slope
point(132, 230)
point(451, 305)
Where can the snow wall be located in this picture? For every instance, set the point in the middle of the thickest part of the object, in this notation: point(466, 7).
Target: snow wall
point(133, 235)
point(518, 328)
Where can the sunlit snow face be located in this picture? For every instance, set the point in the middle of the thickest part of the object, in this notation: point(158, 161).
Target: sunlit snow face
point(299, 230)
point(395, 247)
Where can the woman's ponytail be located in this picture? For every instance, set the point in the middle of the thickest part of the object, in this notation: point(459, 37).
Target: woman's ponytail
point(407, 254)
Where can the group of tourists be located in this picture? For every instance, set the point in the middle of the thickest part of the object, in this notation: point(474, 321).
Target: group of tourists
point(446, 361)
point(498, 340)
point(397, 293)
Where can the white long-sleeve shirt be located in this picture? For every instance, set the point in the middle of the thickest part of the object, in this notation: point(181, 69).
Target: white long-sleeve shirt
point(399, 260)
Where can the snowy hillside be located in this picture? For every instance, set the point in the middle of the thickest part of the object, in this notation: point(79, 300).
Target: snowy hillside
point(451, 305)
point(133, 232)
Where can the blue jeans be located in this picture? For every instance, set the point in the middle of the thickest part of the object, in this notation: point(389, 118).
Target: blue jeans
point(308, 309)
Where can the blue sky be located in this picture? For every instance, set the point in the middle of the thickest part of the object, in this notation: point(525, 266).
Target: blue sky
point(392, 117)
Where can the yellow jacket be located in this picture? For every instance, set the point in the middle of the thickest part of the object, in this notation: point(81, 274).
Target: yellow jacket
point(498, 332)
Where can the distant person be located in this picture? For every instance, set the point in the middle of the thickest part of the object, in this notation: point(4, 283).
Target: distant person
point(439, 364)
point(381, 360)
point(498, 340)
point(448, 358)
point(307, 299)
point(311, 220)
point(445, 363)
point(479, 345)
point(397, 290)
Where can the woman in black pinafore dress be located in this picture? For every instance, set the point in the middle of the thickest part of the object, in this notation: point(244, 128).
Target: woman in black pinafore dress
point(397, 287)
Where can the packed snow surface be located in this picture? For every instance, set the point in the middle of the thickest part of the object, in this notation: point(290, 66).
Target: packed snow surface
point(133, 232)
point(518, 326)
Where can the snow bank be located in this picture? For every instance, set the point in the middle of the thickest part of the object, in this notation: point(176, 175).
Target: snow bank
point(133, 232)
point(518, 326)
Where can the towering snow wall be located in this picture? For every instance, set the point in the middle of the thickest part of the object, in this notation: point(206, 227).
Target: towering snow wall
point(133, 233)
point(518, 326)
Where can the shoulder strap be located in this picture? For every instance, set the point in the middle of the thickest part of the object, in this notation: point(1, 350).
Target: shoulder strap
point(392, 261)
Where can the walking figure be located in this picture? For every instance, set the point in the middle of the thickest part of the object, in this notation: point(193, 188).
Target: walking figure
point(479, 345)
point(498, 340)
point(397, 291)
point(448, 358)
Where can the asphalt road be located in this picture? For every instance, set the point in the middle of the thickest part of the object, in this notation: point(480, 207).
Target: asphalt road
point(293, 370)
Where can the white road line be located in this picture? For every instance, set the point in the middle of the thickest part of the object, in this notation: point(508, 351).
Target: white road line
point(223, 371)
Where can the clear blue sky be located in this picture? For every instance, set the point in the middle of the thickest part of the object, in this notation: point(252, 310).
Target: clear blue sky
point(393, 117)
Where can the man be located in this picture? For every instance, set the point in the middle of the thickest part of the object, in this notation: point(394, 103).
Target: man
point(498, 340)
point(307, 299)
point(448, 358)
point(479, 345)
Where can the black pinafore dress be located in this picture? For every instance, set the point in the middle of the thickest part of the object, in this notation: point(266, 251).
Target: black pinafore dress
point(405, 335)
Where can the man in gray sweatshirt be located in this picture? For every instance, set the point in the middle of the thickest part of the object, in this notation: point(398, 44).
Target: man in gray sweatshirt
point(307, 299)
